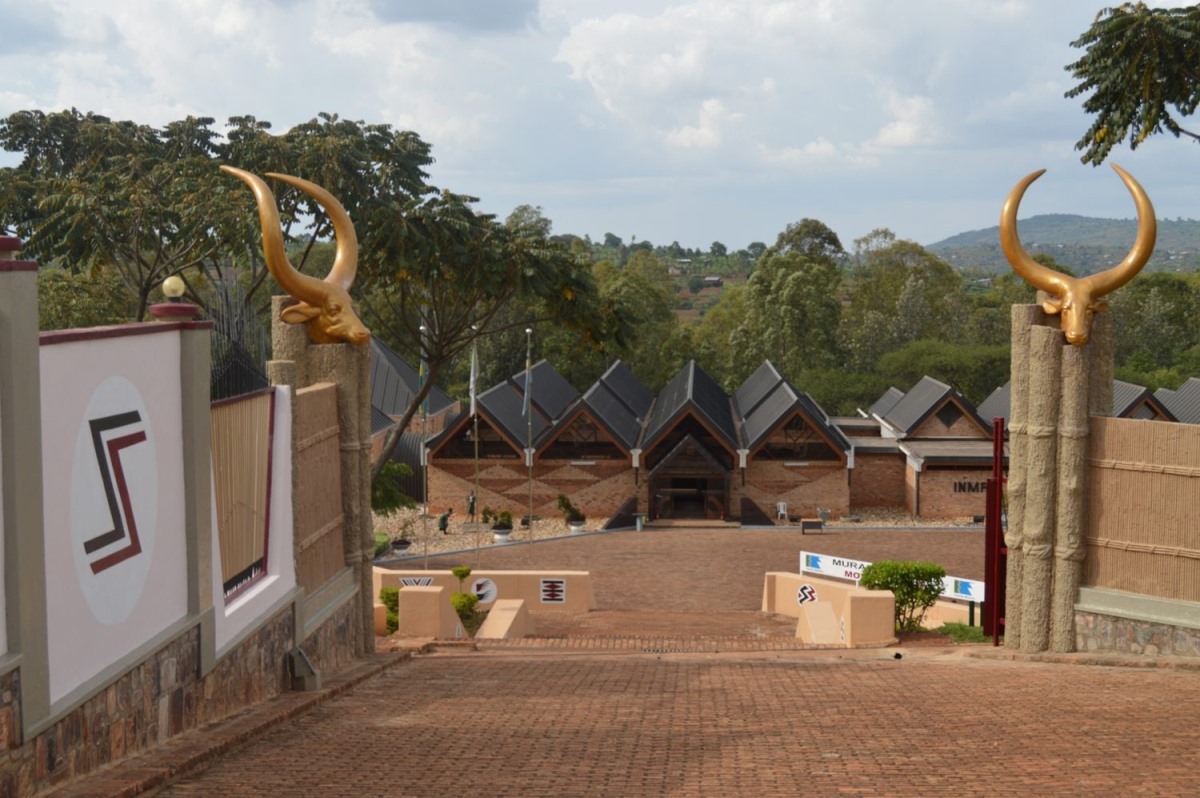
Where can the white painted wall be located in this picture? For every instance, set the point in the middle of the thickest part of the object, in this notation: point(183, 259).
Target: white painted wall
point(96, 619)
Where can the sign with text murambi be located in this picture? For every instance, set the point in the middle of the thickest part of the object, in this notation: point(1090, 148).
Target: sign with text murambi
point(845, 568)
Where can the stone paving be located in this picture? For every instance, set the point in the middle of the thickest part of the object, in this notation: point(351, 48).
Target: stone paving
point(609, 706)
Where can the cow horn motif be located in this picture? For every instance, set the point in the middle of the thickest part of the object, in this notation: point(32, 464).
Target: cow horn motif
point(1077, 298)
point(324, 305)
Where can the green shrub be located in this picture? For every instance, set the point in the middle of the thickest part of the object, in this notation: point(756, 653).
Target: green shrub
point(382, 544)
point(916, 586)
point(390, 598)
point(465, 605)
point(461, 572)
point(571, 513)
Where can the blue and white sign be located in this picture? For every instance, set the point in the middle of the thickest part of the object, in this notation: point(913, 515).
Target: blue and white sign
point(953, 587)
point(837, 567)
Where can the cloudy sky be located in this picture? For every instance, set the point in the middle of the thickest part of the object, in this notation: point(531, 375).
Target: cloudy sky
point(669, 120)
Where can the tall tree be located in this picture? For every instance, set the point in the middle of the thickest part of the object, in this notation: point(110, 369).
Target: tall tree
point(1139, 64)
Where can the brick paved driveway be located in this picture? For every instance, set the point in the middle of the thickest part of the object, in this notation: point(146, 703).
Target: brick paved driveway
point(552, 722)
point(672, 585)
point(782, 724)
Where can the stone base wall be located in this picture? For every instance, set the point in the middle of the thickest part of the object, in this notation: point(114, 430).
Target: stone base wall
point(156, 700)
point(1107, 633)
point(330, 647)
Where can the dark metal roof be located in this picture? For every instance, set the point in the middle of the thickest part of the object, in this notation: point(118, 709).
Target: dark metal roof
point(502, 405)
point(1183, 403)
point(691, 388)
point(628, 389)
point(607, 408)
point(999, 403)
point(915, 405)
point(923, 399)
point(967, 452)
point(394, 382)
point(1126, 399)
point(886, 402)
point(757, 387)
point(1136, 401)
point(380, 420)
point(777, 406)
point(551, 393)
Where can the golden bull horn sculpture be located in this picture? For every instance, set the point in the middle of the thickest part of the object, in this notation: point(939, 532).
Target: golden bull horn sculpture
point(1076, 299)
point(324, 305)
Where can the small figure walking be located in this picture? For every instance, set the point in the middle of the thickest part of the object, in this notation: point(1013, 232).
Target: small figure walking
point(471, 506)
point(444, 521)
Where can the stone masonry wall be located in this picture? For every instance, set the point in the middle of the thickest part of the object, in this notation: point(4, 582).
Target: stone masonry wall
point(877, 480)
point(155, 700)
point(1095, 632)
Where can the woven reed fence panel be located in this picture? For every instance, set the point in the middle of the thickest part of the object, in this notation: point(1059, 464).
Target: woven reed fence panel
point(240, 437)
point(1143, 507)
point(318, 483)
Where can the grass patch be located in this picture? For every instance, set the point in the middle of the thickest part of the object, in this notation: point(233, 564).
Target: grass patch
point(961, 633)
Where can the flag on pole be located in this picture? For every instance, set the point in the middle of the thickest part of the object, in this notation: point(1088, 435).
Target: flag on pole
point(474, 372)
point(528, 381)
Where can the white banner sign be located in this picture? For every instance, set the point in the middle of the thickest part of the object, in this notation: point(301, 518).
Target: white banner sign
point(844, 568)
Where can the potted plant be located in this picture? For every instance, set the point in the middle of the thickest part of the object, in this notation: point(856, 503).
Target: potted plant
point(571, 514)
point(502, 526)
point(400, 544)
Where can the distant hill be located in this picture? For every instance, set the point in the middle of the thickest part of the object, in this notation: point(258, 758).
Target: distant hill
point(1085, 244)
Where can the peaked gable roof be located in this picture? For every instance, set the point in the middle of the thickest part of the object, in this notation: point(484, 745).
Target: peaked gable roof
point(607, 407)
point(766, 400)
point(394, 382)
point(921, 401)
point(886, 402)
point(1126, 398)
point(502, 406)
point(628, 389)
point(691, 389)
point(552, 394)
point(1184, 403)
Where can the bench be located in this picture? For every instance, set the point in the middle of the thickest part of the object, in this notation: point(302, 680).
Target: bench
point(811, 525)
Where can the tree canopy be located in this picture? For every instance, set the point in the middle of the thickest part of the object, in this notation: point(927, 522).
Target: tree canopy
point(1140, 74)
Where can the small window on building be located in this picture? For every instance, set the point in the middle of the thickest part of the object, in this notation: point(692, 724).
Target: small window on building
point(949, 414)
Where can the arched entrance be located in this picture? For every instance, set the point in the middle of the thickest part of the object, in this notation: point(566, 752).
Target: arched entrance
point(689, 483)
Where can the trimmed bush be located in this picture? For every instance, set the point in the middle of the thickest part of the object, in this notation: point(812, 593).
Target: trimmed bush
point(916, 586)
point(465, 605)
point(390, 598)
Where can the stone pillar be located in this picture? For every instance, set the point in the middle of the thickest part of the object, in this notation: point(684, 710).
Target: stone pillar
point(1044, 367)
point(1024, 318)
point(299, 363)
point(1071, 522)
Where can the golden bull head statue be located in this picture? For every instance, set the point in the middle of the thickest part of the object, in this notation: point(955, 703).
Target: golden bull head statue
point(324, 304)
point(1076, 299)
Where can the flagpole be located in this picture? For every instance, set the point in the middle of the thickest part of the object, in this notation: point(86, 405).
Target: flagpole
point(529, 418)
point(475, 436)
point(424, 457)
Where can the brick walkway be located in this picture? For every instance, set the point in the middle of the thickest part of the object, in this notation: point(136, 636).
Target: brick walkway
point(707, 698)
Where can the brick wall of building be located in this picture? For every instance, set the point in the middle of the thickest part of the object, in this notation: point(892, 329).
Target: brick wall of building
point(964, 427)
point(953, 493)
point(911, 496)
point(597, 490)
point(877, 480)
point(818, 484)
